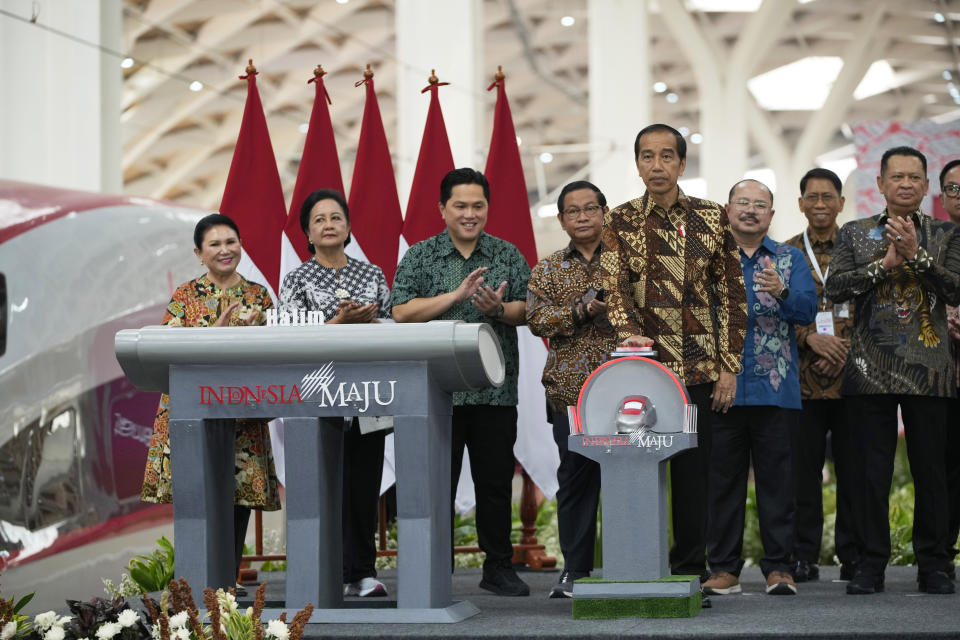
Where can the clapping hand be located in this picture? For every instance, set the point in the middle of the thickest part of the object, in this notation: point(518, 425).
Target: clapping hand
point(486, 300)
point(768, 279)
point(903, 237)
point(228, 313)
point(351, 312)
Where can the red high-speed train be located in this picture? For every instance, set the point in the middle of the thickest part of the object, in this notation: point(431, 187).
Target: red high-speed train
point(76, 267)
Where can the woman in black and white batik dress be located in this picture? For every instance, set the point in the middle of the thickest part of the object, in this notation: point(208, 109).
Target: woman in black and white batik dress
point(345, 291)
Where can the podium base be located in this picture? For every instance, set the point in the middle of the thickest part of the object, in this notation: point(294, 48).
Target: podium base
point(671, 597)
point(381, 612)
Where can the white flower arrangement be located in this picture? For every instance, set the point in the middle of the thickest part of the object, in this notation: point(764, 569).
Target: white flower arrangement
point(127, 618)
point(55, 633)
point(9, 630)
point(108, 630)
point(44, 621)
point(277, 629)
point(178, 620)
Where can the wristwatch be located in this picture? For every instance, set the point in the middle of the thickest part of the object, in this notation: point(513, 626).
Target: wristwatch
point(498, 314)
point(783, 293)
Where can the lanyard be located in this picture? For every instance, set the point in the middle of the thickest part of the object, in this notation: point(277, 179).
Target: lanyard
point(814, 264)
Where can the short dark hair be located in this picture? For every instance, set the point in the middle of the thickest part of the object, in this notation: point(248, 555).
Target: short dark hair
point(902, 151)
point(463, 175)
point(653, 128)
point(311, 200)
point(943, 172)
point(576, 186)
point(740, 182)
point(823, 174)
point(207, 222)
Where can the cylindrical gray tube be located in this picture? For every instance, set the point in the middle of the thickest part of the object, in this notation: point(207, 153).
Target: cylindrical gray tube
point(461, 356)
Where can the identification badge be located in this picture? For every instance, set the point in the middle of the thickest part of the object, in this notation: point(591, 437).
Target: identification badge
point(825, 323)
point(842, 310)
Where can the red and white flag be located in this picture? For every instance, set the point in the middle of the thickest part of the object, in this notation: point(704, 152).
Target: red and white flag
point(423, 217)
point(319, 169)
point(509, 219)
point(375, 217)
point(253, 195)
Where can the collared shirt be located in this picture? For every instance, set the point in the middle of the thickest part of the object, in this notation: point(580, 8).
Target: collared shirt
point(899, 341)
point(770, 376)
point(434, 266)
point(674, 276)
point(560, 287)
point(813, 384)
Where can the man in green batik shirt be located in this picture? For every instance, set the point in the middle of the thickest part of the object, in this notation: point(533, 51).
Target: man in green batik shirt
point(465, 274)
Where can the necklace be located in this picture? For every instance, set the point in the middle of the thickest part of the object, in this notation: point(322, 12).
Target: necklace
point(340, 293)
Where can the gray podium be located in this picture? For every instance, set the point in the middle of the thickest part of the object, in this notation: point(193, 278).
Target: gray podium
point(632, 416)
point(313, 376)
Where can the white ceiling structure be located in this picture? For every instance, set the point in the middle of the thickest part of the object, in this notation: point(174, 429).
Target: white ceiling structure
point(901, 55)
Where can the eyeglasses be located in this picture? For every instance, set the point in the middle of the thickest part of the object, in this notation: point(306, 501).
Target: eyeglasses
point(758, 205)
point(951, 190)
point(592, 211)
point(812, 198)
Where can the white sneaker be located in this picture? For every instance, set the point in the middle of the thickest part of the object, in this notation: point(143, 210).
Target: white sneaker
point(365, 588)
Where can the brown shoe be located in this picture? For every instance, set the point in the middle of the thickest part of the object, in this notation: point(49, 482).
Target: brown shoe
point(780, 583)
point(721, 583)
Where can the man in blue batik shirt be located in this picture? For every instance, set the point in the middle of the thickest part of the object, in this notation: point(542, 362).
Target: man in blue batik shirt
point(780, 294)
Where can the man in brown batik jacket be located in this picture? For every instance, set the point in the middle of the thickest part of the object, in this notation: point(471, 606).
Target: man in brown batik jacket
point(671, 269)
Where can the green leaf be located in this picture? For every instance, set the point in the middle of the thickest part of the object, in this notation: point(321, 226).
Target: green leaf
point(22, 602)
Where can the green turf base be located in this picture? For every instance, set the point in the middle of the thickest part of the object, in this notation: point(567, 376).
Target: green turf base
point(600, 608)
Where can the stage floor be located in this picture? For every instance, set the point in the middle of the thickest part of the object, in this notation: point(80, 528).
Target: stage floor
point(820, 610)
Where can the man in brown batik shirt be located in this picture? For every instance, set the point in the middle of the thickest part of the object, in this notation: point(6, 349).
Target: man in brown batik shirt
point(671, 269)
point(565, 304)
point(823, 348)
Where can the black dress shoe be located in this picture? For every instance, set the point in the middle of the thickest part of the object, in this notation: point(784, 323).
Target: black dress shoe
point(847, 571)
point(865, 583)
point(936, 582)
point(952, 571)
point(564, 586)
point(804, 571)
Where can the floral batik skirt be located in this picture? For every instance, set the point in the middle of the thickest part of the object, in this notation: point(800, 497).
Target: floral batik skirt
point(256, 478)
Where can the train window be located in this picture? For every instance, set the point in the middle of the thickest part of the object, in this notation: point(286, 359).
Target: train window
point(12, 454)
point(3, 314)
point(52, 482)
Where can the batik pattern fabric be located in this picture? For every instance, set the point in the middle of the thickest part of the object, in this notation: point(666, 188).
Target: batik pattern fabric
point(199, 303)
point(560, 288)
point(434, 266)
point(674, 276)
point(770, 376)
point(899, 343)
point(313, 287)
point(815, 385)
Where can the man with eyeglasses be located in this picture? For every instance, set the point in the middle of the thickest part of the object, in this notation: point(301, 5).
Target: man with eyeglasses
point(565, 303)
point(950, 199)
point(759, 425)
point(823, 347)
point(900, 268)
point(673, 278)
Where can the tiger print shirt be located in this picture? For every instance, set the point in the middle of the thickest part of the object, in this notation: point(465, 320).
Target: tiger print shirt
point(674, 276)
point(899, 342)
